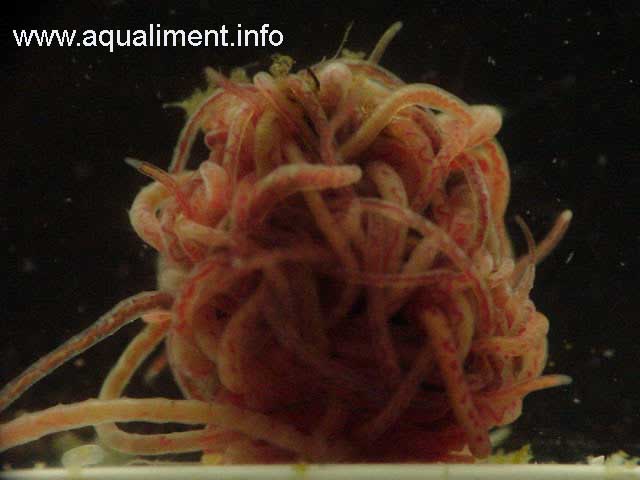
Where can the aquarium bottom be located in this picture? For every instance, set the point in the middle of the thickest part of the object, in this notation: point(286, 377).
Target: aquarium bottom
point(335, 472)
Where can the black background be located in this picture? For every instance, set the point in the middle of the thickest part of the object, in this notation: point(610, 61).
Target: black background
point(563, 75)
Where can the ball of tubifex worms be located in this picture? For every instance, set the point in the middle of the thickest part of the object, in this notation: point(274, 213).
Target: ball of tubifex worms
point(335, 279)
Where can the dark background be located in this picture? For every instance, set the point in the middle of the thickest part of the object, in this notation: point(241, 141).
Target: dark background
point(562, 74)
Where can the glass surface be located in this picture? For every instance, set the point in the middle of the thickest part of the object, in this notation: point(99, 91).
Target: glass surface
point(563, 76)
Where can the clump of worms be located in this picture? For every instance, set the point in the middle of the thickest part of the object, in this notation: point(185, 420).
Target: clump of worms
point(335, 280)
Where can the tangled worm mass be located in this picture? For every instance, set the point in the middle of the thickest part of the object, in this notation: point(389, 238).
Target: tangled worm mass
point(335, 280)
